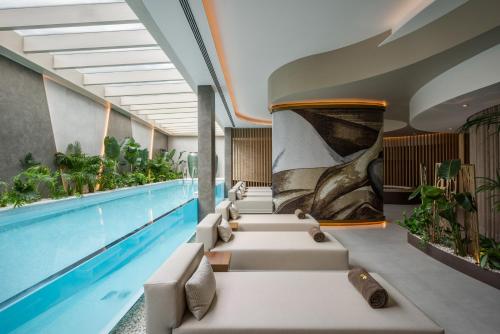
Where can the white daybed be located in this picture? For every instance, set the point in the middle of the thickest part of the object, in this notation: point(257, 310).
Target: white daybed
point(282, 250)
point(267, 221)
point(299, 302)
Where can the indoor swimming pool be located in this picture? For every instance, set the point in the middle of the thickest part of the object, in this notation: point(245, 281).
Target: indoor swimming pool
point(77, 265)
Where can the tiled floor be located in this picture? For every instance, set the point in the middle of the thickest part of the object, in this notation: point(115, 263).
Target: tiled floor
point(456, 302)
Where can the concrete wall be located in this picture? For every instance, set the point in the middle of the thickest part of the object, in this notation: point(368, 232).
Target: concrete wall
point(24, 118)
point(142, 134)
point(160, 141)
point(75, 118)
point(190, 144)
point(119, 126)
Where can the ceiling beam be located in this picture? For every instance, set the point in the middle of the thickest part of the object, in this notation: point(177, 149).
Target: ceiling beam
point(160, 106)
point(65, 16)
point(161, 98)
point(172, 116)
point(167, 88)
point(112, 58)
point(168, 111)
point(131, 77)
point(88, 41)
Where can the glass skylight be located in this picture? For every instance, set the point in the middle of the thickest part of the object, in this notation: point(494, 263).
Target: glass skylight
point(110, 69)
point(82, 29)
point(5, 4)
point(106, 50)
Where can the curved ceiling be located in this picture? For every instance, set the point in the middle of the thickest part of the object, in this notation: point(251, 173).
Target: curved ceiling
point(259, 36)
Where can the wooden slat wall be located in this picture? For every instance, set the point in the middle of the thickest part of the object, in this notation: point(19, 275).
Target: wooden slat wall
point(485, 155)
point(402, 156)
point(252, 156)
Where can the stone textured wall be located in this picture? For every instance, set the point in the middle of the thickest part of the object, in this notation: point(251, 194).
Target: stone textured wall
point(160, 141)
point(120, 126)
point(24, 118)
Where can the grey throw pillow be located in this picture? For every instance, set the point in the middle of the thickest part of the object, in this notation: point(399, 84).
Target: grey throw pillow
point(200, 289)
point(225, 230)
point(239, 195)
point(234, 212)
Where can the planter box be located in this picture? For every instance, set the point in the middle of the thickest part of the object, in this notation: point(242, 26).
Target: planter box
point(456, 262)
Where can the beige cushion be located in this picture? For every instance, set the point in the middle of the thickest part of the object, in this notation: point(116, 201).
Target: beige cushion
point(206, 230)
point(255, 204)
point(223, 209)
point(200, 289)
point(283, 251)
point(239, 195)
point(231, 195)
point(224, 230)
point(234, 212)
point(303, 302)
point(275, 222)
point(164, 291)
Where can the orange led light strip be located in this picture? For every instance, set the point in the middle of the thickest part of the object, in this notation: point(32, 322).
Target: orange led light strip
point(329, 103)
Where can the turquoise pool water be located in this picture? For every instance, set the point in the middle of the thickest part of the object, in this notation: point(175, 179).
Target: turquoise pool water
point(93, 295)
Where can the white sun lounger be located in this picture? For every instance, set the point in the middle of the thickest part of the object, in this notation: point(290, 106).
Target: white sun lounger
point(273, 250)
point(299, 302)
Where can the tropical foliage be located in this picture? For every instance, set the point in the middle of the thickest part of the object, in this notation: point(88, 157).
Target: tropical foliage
point(123, 164)
point(426, 221)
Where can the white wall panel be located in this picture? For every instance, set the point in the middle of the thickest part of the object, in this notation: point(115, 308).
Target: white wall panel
point(142, 134)
point(75, 117)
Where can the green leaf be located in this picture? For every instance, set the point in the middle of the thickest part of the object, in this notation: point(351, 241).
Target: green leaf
point(449, 169)
point(431, 192)
point(111, 148)
point(484, 260)
point(415, 193)
point(466, 201)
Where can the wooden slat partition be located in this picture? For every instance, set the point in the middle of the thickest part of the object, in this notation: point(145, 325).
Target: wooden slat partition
point(252, 156)
point(402, 156)
point(485, 155)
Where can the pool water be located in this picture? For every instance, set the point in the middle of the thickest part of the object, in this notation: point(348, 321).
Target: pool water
point(92, 296)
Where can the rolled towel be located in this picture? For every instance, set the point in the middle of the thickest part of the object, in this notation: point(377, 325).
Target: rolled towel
point(370, 289)
point(317, 234)
point(300, 214)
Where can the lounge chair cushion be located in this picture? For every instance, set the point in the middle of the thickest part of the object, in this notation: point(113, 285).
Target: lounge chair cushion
point(257, 204)
point(283, 251)
point(223, 209)
point(234, 212)
point(206, 230)
point(200, 289)
point(164, 291)
point(303, 302)
point(224, 230)
point(275, 222)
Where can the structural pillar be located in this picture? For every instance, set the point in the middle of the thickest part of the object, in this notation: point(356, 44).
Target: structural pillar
point(228, 160)
point(206, 151)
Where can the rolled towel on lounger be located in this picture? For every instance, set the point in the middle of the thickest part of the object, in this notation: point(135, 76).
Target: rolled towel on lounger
point(317, 234)
point(300, 214)
point(370, 289)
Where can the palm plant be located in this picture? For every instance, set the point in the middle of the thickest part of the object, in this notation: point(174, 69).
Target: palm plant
point(78, 169)
point(491, 185)
point(131, 152)
point(488, 119)
point(28, 161)
point(490, 253)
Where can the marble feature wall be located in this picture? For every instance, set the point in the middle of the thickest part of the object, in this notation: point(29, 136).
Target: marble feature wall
point(329, 163)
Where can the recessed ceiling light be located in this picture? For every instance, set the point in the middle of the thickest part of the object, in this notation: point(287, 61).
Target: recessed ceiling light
point(465, 105)
point(450, 129)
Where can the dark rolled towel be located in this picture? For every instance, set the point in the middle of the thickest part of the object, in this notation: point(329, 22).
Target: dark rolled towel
point(369, 288)
point(317, 234)
point(300, 214)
